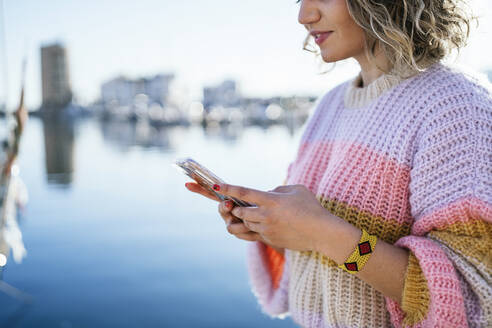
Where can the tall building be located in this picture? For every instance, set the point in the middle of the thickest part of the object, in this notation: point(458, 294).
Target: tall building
point(121, 91)
point(55, 77)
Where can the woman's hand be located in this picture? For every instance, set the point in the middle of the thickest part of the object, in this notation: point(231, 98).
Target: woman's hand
point(287, 217)
point(234, 225)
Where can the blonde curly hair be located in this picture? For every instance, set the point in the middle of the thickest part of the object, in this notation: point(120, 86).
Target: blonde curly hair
point(414, 33)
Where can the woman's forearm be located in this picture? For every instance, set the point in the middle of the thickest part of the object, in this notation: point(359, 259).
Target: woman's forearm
point(386, 268)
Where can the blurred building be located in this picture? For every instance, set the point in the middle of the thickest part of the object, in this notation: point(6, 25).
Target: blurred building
point(56, 89)
point(121, 91)
point(225, 94)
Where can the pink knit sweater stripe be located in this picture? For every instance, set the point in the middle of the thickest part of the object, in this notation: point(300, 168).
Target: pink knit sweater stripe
point(447, 307)
point(463, 210)
point(372, 174)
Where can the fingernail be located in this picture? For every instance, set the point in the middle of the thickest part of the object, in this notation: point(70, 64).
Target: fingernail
point(187, 185)
point(216, 187)
point(228, 204)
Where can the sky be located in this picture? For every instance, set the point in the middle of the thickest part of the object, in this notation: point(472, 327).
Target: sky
point(202, 42)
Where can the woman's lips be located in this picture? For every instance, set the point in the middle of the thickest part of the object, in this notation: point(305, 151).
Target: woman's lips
point(320, 37)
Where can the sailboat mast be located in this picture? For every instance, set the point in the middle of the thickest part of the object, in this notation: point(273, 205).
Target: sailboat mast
point(3, 58)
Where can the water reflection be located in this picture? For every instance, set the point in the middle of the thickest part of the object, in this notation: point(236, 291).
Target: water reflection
point(59, 151)
point(126, 134)
point(60, 134)
point(227, 132)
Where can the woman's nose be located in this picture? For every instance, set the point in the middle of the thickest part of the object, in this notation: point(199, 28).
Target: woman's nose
point(308, 13)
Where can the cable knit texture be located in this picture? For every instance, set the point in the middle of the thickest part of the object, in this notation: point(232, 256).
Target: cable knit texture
point(409, 160)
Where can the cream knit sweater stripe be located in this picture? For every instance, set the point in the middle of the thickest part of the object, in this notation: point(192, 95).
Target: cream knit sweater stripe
point(408, 160)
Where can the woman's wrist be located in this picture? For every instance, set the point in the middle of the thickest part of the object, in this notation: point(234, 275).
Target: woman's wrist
point(385, 270)
point(336, 238)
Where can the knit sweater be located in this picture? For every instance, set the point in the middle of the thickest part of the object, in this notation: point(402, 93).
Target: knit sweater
point(409, 160)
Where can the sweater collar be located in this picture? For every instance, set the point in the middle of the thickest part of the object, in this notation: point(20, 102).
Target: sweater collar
point(356, 96)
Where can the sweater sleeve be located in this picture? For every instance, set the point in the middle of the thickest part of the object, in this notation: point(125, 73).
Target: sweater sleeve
point(269, 276)
point(448, 282)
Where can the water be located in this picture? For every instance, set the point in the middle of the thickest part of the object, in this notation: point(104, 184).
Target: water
point(115, 239)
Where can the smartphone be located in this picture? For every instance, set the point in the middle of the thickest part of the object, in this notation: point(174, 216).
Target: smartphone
point(205, 178)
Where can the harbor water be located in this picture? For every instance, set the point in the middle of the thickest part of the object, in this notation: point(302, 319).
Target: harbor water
point(113, 237)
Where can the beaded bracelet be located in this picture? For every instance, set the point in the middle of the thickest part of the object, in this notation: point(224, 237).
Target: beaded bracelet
point(356, 261)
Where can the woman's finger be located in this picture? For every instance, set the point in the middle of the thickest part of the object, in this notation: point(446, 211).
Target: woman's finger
point(228, 218)
point(253, 214)
point(237, 228)
point(225, 213)
point(249, 236)
point(253, 226)
point(195, 187)
point(282, 188)
point(225, 206)
point(249, 195)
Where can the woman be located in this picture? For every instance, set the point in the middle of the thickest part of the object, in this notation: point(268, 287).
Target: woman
point(385, 217)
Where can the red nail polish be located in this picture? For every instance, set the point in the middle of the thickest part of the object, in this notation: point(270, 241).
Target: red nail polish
point(216, 187)
point(228, 204)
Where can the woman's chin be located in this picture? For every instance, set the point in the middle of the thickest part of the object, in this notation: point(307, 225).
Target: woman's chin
point(330, 57)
